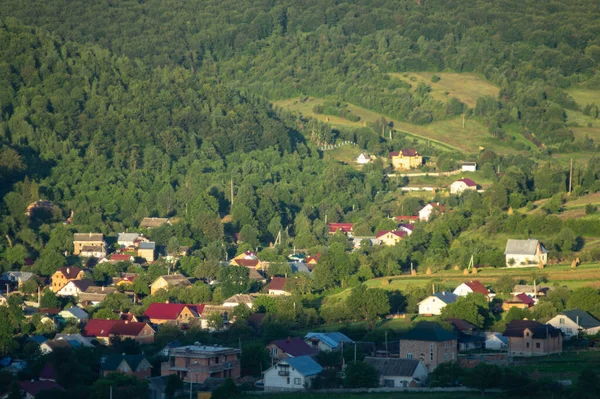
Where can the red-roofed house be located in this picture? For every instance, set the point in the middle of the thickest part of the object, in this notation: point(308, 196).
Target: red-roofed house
point(406, 159)
point(159, 313)
point(290, 347)
point(121, 258)
point(408, 228)
point(247, 255)
point(277, 286)
point(344, 227)
point(127, 280)
point(313, 260)
point(461, 185)
point(251, 263)
point(390, 237)
point(33, 388)
point(104, 330)
point(404, 218)
point(521, 301)
point(473, 287)
point(429, 209)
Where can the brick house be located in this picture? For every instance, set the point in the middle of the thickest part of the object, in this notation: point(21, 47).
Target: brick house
point(135, 365)
point(62, 276)
point(529, 338)
point(430, 343)
point(196, 363)
point(104, 330)
point(92, 242)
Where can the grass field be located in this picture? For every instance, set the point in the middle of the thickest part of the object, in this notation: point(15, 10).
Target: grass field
point(371, 395)
point(565, 366)
point(466, 87)
point(447, 134)
point(585, 96)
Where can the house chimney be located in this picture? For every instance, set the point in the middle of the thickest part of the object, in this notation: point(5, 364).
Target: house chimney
point(102, 288)
point(68, 270)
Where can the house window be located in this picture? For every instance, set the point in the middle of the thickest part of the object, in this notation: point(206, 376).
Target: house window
point(527, 345)
point(569, 331)
point(297, 381)
point(430, 351)
point(537, 345)
point(527, 334)
point(288, 380)
point(562, 320)
point(445, 356)
point(409, 356)
point(273, 352)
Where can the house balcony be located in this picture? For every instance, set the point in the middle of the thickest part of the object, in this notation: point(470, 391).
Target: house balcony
point(199, 368)
point(283, 373)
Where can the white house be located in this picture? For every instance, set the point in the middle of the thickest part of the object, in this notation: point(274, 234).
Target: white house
point(127, 239)
point(469, 167)
point(93, 251)
point(462, 185)
point(429, 209)
point(432, 305)
point(525, 253)
point(408, 228)
point(291, 374)
point(327, 342)
point(74, 313)
point(495, 341)
point(363, 159)
point(473, 287)
point(399, 373)
point(572, 322)
point(75, 287)
point(235, 300)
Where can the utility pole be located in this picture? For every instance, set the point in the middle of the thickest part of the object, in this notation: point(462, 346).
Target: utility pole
point(570, 176)
point(463, 121)
point(386, 345)
point(231, 191)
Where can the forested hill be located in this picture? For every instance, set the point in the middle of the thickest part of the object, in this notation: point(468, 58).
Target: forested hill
point(285, 48)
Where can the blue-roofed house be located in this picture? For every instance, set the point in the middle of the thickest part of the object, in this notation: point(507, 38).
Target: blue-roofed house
point(433, 304)
point(38, 339)
point(327, 342)
point(292, 374)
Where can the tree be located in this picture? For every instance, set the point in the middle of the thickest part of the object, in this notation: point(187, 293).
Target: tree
point(254, 359)
point(484, 376)
point(241, 312)
point(505, 284)
point(106, 314)
point(587, 385)
point(360, 375)
point(122, 386)
point(234, 280)
point(49, 262)
point(226, 391)
point(174, 383)
point(207, 269)
point(7, 342)
point(215, 321)
point(49, 299)
point(585, 298)
point(473, 308)
point(447, 374)
point(368, 304)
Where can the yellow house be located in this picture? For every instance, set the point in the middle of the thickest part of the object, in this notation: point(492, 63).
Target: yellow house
point(406, 159)
point(62, 276)
point(165, 282)
point(390, 237)
point(146, 250)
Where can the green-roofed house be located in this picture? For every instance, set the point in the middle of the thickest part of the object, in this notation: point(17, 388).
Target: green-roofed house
point(135, 365)
point(430, 343)
point(572, 322)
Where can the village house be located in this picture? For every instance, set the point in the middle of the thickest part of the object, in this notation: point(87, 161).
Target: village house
point(407, 228)
point(94, 295)
point(363, 159)
point(390, 237)
point(468, 167)
point(166, 282)
point(471, 287)
point(115, 258)
point(89, 243)
point(291, 374)
point(430, 343)
point(277, 286)
point(76, 340)
point(529, 338)
point(62, 276)
point(406, 159)
point(51, 345)
point(74, 313)
point(462, 185)
point(146, 250)
point(495, 341)
point(92, 251)
point(238, 299)
point(127, 239)
point(434, 208)
point(312, 261)
point(290, 347)
point(525, 253)
point(468, 335)
point(17, 278)
point(246, 262)
point(433, 304)
point(32, 389)
point(134, 365)
point(202, 321)
point(327, 342)
point(532, 291)
point(149, 223)
point(75, 287)
point(104, 330)
point(195, 363)
point(575, 321)
point(177, 313)
point(398, 373)
point(521, 301)
point(343, 227)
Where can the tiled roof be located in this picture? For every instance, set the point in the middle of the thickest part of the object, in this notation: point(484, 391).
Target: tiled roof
point(239, 298)
point(34, 388)
point(169, 311)
point(521, 298)
point(111, 363)
point(428, 331)
point(522, 247)
point(247, 262)
point(277, 283)
point(70, 272)
point(387, 366)
point(476, 286)
point(345, 227)
point(100, 290)
point(516, 328)
point(175, 279)
point(469, 182)
point(148, 245)
point(48, 373)
point(106, 328)
point(77, 312)
point(295, 347)
point(127, 236)
point(398, 233)
point(305, 365)
point(153, 222)
point(461, 325)
point(83, 284)
point(120, 258)
point(446, 297)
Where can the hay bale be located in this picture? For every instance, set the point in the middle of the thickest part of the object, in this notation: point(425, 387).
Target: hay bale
point(474, 271)
point(510, 211)
point(456, 267)
point(428, 271)
point(573, 264)
point(413, 272)
point(541, 265)
point(466, 272)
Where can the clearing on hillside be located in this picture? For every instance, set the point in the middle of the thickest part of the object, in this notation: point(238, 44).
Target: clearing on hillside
point(447, 134)
point(585, 96)
point(467, 87)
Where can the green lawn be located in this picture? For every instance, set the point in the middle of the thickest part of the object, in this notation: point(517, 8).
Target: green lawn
point(387, 395)
point(564, 366)
point(585, 96)
point(466, 87)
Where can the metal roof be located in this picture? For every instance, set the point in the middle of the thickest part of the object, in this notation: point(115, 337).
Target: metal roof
point(388, 366)
point(305, 365)
point(583, 318)
point(522, 247)
point(331, 339)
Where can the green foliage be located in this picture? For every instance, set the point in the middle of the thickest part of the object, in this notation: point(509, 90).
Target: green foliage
point(234, 280)
point(254, 359)
point(368, 304)
point(49, 299)
point(226, 391)
point(360, 375)
point(123, 387)
point(484, 376)
point(585, 298)
point(448, 374)
point(473, 308)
